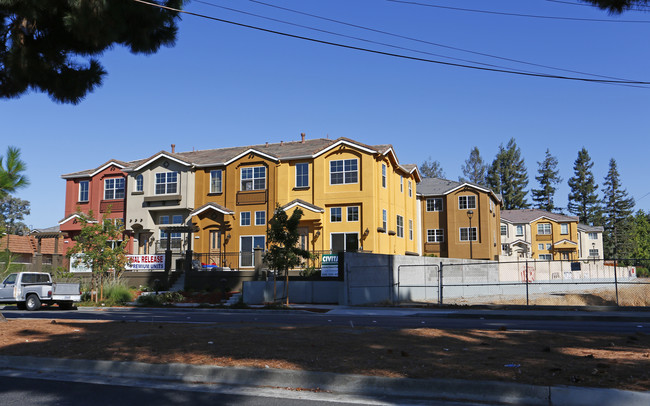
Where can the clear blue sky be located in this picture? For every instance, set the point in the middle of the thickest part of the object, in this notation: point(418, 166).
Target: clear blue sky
point(223, 85)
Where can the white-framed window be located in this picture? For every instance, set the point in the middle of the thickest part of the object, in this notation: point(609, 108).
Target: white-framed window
point(435, 235)
point(245, 218)
point(139, 183)
point(302, 175)
point(253, 178)
point(166, 183)
point(353, 213)
point(411, 230)
point(84, 186)
point(544, 228)
point(401, 184)
point(505, 249)
point(520, 230)
point(344, 171)
point(247, 245)
point(216, 183)
point(410, 189)
point(113, 188)
point(468, 234)
point(400, 226)
point(540, 246)
point(383, 175)
point(336, 214)
point(548, 247)
point(177, 219)
point(175, 236)
point(434, 204)
point(466, 202)
point(260, 218)
point(546, 257)
point(564, 228)
point(593, 252)
point(344, 242)
point(384, 219)
point(504, 230)
point(593, 236)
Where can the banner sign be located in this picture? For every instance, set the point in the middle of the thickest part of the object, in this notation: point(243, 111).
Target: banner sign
point(76, 265)
point(145, 263)
point(330, 266)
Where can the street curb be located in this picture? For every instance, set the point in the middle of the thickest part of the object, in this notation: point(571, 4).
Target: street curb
point(502, 316)
point(441, 389)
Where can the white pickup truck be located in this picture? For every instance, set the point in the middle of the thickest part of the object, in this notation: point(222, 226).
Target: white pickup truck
point(30, 290)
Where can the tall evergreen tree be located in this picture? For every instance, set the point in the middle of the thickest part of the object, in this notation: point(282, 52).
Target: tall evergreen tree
point(52, 45)
point(507, 175)
point(474, 169)
point(432, 169)
point(548, 177)
point(641, 236)
point(583, 199)
point(617, 216)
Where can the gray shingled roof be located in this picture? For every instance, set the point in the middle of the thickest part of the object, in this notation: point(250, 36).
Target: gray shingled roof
point(438, 187)
point(590, 229)
point(529, 215)
point(88, 172)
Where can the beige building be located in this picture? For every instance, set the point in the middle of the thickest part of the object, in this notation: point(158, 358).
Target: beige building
point(590, 239)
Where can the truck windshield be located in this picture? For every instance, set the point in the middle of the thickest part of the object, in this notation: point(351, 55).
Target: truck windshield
point(10, 279)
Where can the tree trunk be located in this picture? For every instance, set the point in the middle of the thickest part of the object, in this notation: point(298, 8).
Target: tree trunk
point(286, 285)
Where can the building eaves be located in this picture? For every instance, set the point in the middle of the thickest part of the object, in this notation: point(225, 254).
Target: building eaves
point(304, 204)
point(590, 229)
point(530, 215)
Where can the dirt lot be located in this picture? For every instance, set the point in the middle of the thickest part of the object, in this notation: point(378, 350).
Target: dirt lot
point(540, 358)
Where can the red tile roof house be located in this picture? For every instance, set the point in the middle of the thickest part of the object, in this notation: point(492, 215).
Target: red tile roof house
point(25, 248)
point(100, 189)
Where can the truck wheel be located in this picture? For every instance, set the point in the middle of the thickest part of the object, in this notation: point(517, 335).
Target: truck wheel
point(32, 303)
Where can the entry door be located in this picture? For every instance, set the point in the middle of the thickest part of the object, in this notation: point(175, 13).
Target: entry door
point(215, 247)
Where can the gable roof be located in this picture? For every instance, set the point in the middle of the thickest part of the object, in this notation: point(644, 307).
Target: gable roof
point(303, 204)
point(211, 206)
point(590, 229)
point(89, 173)
point(439, 187)
point(530, 215)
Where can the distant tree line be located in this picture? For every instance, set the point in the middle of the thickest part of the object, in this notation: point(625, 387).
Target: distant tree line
point(626, 234)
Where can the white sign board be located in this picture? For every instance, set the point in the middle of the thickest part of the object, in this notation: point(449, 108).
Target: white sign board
point(330, 266)
point(145, 263)
point(76, 265)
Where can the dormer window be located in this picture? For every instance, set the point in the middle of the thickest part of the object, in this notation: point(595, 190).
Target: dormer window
point(253, 178)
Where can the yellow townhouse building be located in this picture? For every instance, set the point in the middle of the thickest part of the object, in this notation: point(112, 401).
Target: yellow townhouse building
point(538, 234)
point(354, 197)
point(459, 219)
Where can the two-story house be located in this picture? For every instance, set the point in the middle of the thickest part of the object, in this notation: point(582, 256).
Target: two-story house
point(458, 220)
point(590, 240)
point(538, 234)
point(101, 190)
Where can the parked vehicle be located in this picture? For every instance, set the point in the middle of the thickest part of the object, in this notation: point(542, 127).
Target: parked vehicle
point(30, 290)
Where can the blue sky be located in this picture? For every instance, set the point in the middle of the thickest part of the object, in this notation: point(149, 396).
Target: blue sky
point(223, 85)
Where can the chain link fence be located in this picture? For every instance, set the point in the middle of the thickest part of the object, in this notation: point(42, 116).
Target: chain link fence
point(528, 282)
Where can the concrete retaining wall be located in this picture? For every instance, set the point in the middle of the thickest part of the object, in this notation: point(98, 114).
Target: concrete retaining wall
point(316, 292)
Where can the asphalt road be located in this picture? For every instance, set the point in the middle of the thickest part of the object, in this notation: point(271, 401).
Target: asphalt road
point(429, 319)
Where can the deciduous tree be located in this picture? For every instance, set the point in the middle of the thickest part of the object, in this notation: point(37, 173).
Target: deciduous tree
point(98, 248)
point(583, 199)
point(507, 175)
point(52, 46)
point(284, 253)
point(641, 236)
point(12, 213)
point(548, 177)
point(617, 212)
point(474, 169)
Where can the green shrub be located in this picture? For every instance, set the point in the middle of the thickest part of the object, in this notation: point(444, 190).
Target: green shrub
point(116, 293)
point(149, 300)
point(642, 272)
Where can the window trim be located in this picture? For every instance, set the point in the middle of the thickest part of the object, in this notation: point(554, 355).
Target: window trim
point(410, 230)
point(344, 172)
point(340, 214)
point(564, 228)
point(544, 228)
point(252, 179)
point(400, 226)
point(166, 184)
point(384, 218)
point(437, 238)
point(345, 240)
point(410, 189)
point(545, 257)
point(383, 175)
point(348, 214)
point(252, 252)
point(460, 234)
point(87, 183)
point(433, 200)
point(305, 175)
point(216, 187)
point(115, 189)
point(517, 227)
point(502, 228)
point(263, 223)
point(467, 199)
point(592, 236)
point(241, 218)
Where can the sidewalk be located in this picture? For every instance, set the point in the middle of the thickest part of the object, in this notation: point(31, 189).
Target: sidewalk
point(326, 384)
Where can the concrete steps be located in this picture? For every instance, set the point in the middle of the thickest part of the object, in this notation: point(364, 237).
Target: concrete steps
point(233, 299)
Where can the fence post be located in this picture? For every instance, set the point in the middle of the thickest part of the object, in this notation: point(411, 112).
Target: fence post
point(440, 284)
point(526, 277)
point(616, 280)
